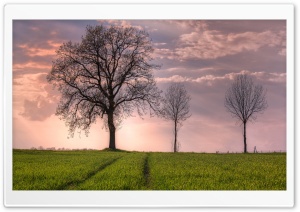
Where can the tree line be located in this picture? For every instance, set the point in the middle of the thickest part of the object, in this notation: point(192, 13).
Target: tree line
point(109, 74)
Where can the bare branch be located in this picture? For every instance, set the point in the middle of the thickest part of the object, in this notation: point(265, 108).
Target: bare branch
point(175, 107)
point(244, 100)
point(107, 73)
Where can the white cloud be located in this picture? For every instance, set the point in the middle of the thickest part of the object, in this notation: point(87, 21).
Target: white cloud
point(165, 53)
point(122, 23)
point(174, 78)
point(159, 44)
point(210, 79)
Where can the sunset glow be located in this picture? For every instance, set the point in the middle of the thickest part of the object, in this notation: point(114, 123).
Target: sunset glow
point(203, 55)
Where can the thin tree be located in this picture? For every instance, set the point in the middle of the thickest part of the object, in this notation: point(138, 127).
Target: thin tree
point(175, 107)
point(244, 100)
point(106, 75)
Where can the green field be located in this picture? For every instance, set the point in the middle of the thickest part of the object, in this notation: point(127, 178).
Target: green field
point(106, 170)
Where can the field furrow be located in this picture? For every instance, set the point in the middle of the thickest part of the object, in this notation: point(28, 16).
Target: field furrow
point(49, 170)
point(106, 170)
point(147, 171)
point(73, 184)
point(125, 174)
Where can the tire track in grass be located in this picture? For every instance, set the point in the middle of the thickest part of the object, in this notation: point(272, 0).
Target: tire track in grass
point(146, 171)
point(71, 185)
point(126, 174)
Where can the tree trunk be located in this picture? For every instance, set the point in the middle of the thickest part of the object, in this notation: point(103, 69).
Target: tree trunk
point(245, 143)
point(175, 141)
point(112, 130)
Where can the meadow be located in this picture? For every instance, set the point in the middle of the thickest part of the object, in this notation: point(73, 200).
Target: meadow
point(121, 170)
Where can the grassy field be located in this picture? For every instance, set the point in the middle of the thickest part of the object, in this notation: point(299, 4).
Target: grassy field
point(105, 170)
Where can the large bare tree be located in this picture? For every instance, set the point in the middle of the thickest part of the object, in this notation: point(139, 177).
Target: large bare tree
point(244, 100)
point(175, 107)
point(106, 75)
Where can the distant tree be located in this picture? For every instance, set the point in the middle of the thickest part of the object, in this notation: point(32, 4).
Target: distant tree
point(244, 100)
point(106, 75)
point(175, 107)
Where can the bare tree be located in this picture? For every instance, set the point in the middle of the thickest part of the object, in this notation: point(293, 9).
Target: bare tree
point(244, 100)
point(175, 107)
point(106, 75)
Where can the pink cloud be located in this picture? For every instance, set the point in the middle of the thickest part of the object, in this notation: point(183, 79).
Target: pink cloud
point(212, 44)
point(38, 109)
point(122, 23)
point(31, 65)
point(34, 28)
point(197, 26)
point(34, 98)
point(282, 52)
point(164, 53)
point(34, 51)
point(209, 129)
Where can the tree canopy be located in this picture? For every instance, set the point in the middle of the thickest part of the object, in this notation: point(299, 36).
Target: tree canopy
point(175, 107)
point(108, 75)
point(244, 100)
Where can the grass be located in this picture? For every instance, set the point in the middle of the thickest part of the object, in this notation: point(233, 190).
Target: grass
point(51, 170)
point(122, 170)
point(218, 171)
point(125, 174)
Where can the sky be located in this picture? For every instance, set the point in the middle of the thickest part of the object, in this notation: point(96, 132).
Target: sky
point(204, 55)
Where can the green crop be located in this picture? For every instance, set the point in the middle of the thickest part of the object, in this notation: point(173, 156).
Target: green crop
point(51, 170)
point(108, 170)
point(217, 171)
point(125, 174)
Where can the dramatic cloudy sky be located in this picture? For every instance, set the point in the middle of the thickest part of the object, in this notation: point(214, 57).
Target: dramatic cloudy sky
point(203, 55)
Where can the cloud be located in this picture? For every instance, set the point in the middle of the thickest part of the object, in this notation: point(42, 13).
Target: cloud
point(198, 26)
point(48, 50)
point(204, 55)
point(17, 82)
point(282, 52)
point(38, 109)
point(31, 65)
point(269, 76)
point(122, 23)
point(174, 78)
point(163, 53)
point(212, 44)
point(210, 79)
point(159, 44)
point(38, 99)
point(177, 69)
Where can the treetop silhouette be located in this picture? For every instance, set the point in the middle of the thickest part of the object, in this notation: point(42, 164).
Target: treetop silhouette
point(108, 75)
point(244, 100)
